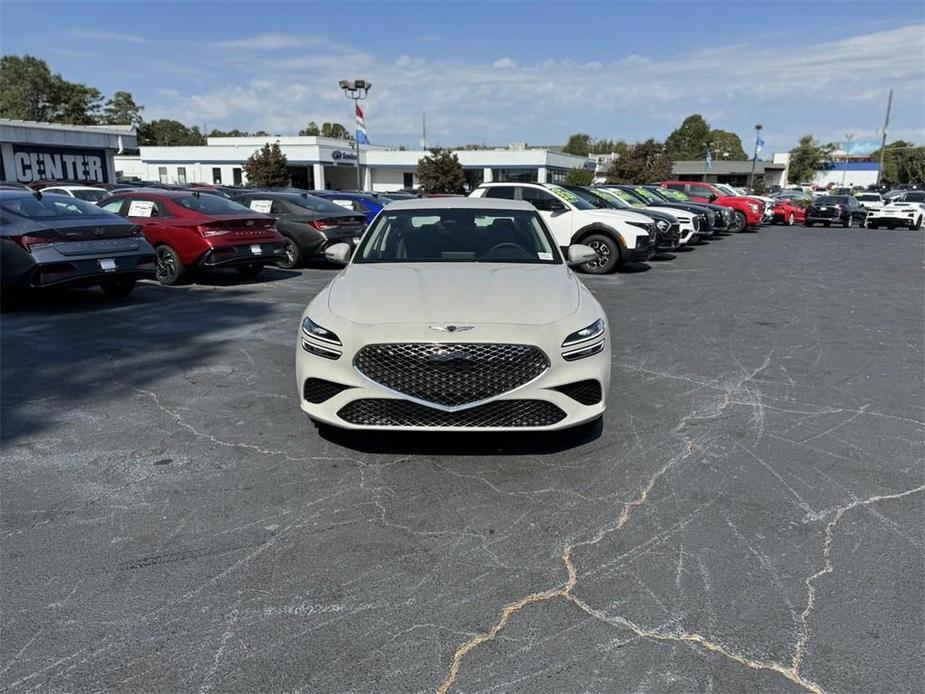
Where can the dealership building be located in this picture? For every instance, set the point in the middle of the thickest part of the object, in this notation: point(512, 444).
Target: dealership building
point(33, 151)
point(317, 163)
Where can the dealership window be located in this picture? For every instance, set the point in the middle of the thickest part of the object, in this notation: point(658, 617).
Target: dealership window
point(515, 175)
point(407, 180)
point(555, 174)
point(236, 175)
point(474, 178)
point(501, 192)
point(181, 175)
point(216, 175)
point(162, 174)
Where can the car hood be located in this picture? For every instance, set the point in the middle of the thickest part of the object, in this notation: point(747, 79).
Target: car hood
point(606, 215)
point(454, 293)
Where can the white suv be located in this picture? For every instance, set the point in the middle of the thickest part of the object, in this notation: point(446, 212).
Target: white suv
point(618, 236)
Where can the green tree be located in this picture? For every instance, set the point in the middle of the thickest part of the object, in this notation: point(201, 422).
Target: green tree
point(441, 172)
point(336, 131)
point(312, 129)
point(121, 109)
point(267, 167)
point(579, 143)
point(29, 91)
point(807, 158)
point(168, 132)
point(689, 141)
point(228, 133)
point(579, 177)
point(725, 145)
point(902, 163)
point(604, 146)
point(644, 162)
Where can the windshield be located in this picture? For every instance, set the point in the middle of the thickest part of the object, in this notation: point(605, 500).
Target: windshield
point(676, 195)
point(727, 189)
point(457, 236)
point(93, 195)
point(572, 198)
point(918, 196)
point(596, 201)
point(832, 200)
point(315, 204)
point(869, 197)
point(621, 197)
point(210, 204)
point(32, 207)
point(646, 194)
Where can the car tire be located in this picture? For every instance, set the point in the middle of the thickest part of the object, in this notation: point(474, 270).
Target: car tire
point(847, 223)
point(891, 226)
point(871, 225)
point(918, 224)
point(791, 219)
point(293, 255)
point(118, 289)
point(740, 223)
point(167, 266)
point(608, 254)
point(249, 271)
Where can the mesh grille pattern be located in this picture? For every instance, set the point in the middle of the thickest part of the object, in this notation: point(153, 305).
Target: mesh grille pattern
point(403, 413)
point(317, 390)
point(585, 392)
point(451, 374)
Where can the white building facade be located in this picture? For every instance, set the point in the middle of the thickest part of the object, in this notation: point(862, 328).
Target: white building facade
point(32, 151)
point(317, 163)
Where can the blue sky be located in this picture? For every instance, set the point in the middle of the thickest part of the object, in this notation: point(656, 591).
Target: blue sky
point(498, 72)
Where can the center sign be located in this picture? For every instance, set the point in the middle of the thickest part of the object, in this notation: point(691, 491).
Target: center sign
point(36, 163)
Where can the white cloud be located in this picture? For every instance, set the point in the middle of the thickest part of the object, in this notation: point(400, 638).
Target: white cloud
point(271, 42)
point(791, 91)
point(108, 36)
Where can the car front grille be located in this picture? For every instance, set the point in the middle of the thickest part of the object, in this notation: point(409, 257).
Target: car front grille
point(402, 413)
point(451, 374)
point(585, 392)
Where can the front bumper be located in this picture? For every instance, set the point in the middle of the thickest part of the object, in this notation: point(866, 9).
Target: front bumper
point(891, 220)
point(264, 253)
point(350, 400)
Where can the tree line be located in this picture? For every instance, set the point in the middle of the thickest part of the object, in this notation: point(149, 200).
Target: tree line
point(29, 90)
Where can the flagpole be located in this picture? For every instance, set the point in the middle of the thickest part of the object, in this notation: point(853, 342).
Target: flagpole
point(356, 90)
point(751, 178)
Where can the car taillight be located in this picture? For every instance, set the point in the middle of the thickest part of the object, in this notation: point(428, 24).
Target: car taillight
point(321, 224)
point(31, 242)
point(207, 231)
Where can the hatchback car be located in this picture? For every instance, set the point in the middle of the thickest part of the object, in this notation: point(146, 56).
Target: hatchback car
point(197, 231)
point(58, 241)
point(435, 325)
point(308, 224)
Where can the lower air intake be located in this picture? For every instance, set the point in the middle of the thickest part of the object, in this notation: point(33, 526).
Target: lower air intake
point(585, 392)
point(317, 390)
point(403, 413)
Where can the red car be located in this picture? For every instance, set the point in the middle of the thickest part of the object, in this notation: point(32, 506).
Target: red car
point(198, 231)
point(749, 211)
point(787, 212)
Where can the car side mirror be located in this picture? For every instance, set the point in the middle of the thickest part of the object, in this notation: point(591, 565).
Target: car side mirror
point(712, 197)
point(579, 254)
point(549, 205)
point(339, 253)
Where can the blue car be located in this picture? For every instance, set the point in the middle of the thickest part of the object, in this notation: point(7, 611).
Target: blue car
point(366, 203)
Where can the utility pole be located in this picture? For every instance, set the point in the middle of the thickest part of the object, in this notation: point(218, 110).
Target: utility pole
point(356, 90)
point(844, 171)
point(423, 130)
point(886, 124)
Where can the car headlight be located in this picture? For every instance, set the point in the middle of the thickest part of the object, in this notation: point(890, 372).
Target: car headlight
point(755, 207)
point(312, 329)
point(596, 329)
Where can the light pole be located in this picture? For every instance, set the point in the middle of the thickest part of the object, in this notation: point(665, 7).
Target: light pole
point(751, 178)
point(356, 90)
point(844, 171)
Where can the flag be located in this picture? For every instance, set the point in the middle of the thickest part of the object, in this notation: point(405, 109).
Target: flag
point(709, 159)
point(759, 143)
point(361, 127)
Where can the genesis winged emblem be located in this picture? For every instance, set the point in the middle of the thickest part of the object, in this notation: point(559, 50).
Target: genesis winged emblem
point(451, 328)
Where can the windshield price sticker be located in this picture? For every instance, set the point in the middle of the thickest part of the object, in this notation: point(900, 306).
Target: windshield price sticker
point(566, 195)
point(344, 203)
point(141, 208)
point(262, 206)
point(544, 256)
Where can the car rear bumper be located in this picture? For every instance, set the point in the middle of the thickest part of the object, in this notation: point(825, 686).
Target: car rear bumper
point(87, 271)
point(263, 253)
point(893, 220)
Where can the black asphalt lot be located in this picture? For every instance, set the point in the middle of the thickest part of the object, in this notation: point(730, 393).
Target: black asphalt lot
point(752, 516)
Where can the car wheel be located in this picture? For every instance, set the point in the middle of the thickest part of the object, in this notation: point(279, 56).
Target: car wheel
point(918, 224)
point(791, 219)
point(891, 226)
point(608, 254)
point(740, 222)
point(293, 255)
point(249, 271)
point(871, 225)
point(847, 222)
point(167, 266)
point(118, 288)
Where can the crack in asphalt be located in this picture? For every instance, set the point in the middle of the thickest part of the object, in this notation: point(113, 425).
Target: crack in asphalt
point(791, 671)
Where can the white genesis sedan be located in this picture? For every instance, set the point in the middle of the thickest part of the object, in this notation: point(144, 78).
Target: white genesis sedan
point(455, 314)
